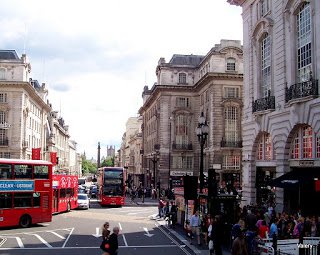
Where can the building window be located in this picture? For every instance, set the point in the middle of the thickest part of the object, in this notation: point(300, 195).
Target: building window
point(304, 36)
point(182, 102)
point(3, 97)
point(231, 162)
point(231, 64)
point(5, 154)
point(265, 147)
point(305, 141)
point(265, 66)
point(182, 162)
point(182, 78)
point(181, 131)
point(2, 117)
point(231, 124)
point(2, 74)
point(264, 7)
point(231, 92)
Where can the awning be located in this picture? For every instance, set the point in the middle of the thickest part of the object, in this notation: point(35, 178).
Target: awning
point(295, 178)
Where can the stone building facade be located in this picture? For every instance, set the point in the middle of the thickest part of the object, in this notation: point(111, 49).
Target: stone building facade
point(187, 86)
point(281, 118)
point(27, 120)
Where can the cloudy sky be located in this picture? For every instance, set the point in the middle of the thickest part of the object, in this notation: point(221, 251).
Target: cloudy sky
point(96, 56)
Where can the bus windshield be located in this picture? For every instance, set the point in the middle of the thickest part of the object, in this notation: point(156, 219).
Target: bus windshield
point(113, 183)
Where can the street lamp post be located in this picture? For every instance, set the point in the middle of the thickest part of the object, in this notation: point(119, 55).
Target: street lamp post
point(154, 160)
point(202, 132)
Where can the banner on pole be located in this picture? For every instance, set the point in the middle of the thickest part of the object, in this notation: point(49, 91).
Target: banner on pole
point(36, 153)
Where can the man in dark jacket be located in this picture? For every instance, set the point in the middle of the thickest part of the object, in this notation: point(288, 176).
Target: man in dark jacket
point(113, 241)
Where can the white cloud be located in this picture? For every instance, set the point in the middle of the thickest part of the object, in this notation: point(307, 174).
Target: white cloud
point(96, 56)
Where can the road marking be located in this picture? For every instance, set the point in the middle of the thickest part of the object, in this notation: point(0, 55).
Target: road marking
point(147, 232)
point(94, 247)
point(19, 241)
point(63, 246)
point(40, 231)
point(120, 227)
point(56, 234)
point(42, 240)
point(3, 241)
point(173, 240)
point(97, 233)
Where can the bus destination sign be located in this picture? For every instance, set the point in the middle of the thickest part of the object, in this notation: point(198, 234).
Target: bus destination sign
point(13, 185)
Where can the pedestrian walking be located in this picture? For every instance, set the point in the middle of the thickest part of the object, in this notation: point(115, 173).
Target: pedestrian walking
point(105, 239)
point(239, 246)
point(113, 241)
point(195, 226)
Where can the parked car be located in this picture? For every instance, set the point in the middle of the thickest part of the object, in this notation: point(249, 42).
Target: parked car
point(83, 201)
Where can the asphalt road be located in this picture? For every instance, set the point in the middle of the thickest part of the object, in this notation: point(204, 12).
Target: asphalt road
point(79, 232)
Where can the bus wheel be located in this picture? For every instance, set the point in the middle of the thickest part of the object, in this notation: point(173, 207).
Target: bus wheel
point(68, 207)
point(25, 221)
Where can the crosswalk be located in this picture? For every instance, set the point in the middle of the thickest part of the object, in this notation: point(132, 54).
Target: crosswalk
point(49, 238)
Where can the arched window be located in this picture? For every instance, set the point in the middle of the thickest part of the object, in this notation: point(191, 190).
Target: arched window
point(182, 78)
point(304, 38)
point(2, 73)
point(304, 143)
point(231, 64)
point(265, 66)
point(265, 147)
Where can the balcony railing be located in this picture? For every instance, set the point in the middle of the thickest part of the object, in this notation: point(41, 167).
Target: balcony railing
point(231, 144)
point(4, 142)
point(263, 104)
point(302, 89)
point(176, 146)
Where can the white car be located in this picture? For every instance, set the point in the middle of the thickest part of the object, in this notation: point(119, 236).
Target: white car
point(83, 201)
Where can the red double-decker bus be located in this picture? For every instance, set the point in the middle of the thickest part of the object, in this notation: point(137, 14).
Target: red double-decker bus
point(65, 192)
point(111, 184)
point(25, 192)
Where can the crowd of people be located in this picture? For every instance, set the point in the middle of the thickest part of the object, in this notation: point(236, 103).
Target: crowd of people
point(254, 224)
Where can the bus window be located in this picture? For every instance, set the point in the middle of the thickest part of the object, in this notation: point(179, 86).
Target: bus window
point(41, 172)
point(6, 200)
point(5, 171)
point(22, 199)
point(69, 192)
point(22, 171)
point(36, 199)
point(62, 193)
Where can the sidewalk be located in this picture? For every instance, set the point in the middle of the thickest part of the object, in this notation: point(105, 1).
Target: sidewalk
point(179, 232)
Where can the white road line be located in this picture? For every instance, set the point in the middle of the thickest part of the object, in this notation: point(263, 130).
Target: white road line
point(63, 246)
point(42, 240)
point(94, 247)
point(19, 241)
point(40, 231)
point(133, 213)
point(120, 227)
point(3, 241)
point(124, 240)
point(56, 234)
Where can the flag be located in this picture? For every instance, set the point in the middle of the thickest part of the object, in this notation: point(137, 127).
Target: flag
point(36, 153)
point(53, 157)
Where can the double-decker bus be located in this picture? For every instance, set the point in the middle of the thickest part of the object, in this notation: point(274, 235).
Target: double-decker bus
point(65, 192)
point(25, 192)
point(111, 185)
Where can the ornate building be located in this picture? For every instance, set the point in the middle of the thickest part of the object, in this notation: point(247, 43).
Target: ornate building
point(187, 86)
point(281, 120)
point(27, 120)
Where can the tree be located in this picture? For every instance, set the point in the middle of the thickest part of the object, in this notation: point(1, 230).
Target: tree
point(88, 166)
point(108, 162)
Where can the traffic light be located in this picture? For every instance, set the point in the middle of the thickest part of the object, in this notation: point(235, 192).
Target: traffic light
point(212, 183)
point(190, 187)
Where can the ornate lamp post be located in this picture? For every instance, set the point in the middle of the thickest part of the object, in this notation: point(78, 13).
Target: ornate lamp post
point(202, 132)
point(154, 160)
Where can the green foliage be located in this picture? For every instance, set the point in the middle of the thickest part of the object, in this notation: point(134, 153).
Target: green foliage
point(88, 166)
point(108, 162)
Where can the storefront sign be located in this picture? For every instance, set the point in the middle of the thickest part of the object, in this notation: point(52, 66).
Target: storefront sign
point(306, 163)
point(16, 186)
point(181, 173)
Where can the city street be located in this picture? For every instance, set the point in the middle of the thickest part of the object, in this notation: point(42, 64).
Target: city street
point(79, 232)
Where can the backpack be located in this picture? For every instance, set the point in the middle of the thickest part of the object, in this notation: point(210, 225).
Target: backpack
point(105, 245)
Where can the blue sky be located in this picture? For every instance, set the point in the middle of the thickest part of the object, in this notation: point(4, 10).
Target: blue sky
point(96, 56)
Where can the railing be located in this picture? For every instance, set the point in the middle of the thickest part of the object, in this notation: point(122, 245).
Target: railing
point(263, 104)
point(232, 144)
point(302, 89)
point(182, 146)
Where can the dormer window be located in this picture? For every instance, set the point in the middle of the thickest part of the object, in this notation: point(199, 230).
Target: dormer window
point(182, 78)
point(231, 64)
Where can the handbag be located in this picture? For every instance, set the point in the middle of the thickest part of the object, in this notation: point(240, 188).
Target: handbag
point(210, 245)
point(105, 245)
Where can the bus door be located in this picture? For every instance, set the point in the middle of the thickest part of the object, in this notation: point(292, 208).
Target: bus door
point(55, 200)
